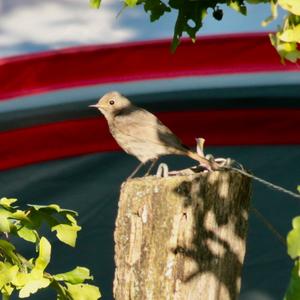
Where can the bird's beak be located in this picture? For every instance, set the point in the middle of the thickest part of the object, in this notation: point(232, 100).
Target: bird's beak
point(94, 105)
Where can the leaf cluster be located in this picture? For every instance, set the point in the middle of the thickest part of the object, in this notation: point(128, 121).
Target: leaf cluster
point(192, 13)
point(293, 249)
point(27, 276)
point(287, 38)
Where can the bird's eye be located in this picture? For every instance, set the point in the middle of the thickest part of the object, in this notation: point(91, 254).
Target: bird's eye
point(111, 102)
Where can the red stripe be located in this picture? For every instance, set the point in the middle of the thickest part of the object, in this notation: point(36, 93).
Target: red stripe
point(82, 66)
point(222, 127)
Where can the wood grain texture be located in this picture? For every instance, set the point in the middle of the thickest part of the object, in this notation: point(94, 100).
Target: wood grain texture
point(181, 237)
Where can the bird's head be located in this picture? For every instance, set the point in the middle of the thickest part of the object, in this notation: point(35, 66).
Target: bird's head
point(111, 103)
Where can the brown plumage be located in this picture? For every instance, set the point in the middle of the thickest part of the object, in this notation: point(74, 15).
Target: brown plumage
point(139, 132)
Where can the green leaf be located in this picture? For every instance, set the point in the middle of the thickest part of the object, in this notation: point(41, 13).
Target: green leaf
point(131, 3)
point(7, 291)
point(20, 279)
point(6, 202)
point(44, 255)
point(190, 19)
point(95, 3)
point(44, 213)
point(52, 208)
point(287, 51)
point(257, 1)
point(290, 35)
point(156, 8)
point(292, 56)
point(67, 233)
point(293, 290)
point(71, 219)
point(27, 234)
point(21, 216)
point(296, 222)
point(33, 285)
point(38, 217)
point(274, 15)
point(35, 280)
point(293, 239)
point(5, 224)
point(7, 273)
point(83, 291)
point(8, 250)
point(298, 188)
point(78, 275)
point(6, 246)
point(239, 7)
point(292, 6)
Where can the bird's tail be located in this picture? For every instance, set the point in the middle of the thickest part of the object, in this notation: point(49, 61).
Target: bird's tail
point(209, 164)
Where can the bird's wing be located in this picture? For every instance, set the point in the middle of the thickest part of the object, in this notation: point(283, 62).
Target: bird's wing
point(146, 127)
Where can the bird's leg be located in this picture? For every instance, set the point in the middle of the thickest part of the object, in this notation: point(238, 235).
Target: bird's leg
point(151, 166)
point(136, 170)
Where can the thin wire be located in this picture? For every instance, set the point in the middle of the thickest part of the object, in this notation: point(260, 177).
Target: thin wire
point(265, 182)
point(271, 185)
point(260, 216)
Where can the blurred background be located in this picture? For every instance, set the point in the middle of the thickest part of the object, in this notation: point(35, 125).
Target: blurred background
point(59, 56)
point(32, 25)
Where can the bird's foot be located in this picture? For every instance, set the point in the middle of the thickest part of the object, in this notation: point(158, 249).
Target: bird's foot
point(214, 163)
point(163, 171)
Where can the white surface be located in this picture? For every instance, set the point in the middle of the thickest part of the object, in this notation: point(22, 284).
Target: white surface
point(35, 25)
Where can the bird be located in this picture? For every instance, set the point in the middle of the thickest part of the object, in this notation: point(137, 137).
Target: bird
point(140, 133)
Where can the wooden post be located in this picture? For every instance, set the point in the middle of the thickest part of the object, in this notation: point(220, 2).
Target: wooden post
point(181, 237)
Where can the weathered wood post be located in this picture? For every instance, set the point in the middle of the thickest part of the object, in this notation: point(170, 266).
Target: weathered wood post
point(181, 237)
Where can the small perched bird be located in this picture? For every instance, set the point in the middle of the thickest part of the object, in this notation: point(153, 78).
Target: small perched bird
point(140, 133)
